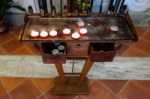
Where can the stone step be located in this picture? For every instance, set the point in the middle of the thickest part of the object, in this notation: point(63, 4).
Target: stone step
point(32, 66)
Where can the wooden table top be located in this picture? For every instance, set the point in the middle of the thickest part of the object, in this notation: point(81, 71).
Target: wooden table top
point(98, 29)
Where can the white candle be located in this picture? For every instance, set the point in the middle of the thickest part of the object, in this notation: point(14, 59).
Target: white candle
point(61, 47)
point(83, 31)
point(55, 51)
point(114, 28)
point(43, 34)
point(75, 35)
point(34, 34)
point(66, 31)
point(53, 33)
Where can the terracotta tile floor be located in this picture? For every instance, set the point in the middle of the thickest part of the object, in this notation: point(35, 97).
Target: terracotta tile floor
point(10, 45)
point(38, 88)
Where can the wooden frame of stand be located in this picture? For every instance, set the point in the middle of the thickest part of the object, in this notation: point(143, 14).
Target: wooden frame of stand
point(86, 50)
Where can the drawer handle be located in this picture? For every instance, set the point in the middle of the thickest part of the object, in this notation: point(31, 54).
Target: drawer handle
point(78, 45)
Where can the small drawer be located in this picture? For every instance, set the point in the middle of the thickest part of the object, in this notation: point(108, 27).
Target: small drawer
point(78, 49)
point(49, 56)
point(102, 52)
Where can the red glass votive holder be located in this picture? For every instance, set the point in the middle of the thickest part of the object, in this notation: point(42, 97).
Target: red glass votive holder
point(34, 34)
point(66, 31)
point(53, 33)
point(83, 31)
point(44, 34)
point(75, 35)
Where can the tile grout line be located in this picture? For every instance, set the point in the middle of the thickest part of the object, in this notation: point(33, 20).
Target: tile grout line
point(6, 41)
point(122, 88)
point(17, 85)
point(40, 96)
point(134, 49)
point(92, 82)
point(146, 31)
point(19, 49)
point(29, 49)
point(141, 36)
point(145, 39)
point(50, 87)
point(20, 28)
point(140, 87)
point(138, 49)
point(41, 93)
point(6, 89)
point(106, 88)
point(4, 50)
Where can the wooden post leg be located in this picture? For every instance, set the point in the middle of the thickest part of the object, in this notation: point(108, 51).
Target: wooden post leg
point(60, 71)
point(87, 66)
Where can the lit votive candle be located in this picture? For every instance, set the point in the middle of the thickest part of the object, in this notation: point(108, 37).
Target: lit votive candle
point(83, 31)
point(75, 35)
point(53, 33)
point(114, 28)
point(34, 34)
point(66, 31)
point(80, 24)
point(43, 34)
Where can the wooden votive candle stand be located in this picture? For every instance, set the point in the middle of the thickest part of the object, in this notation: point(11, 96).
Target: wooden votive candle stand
point(96, 46)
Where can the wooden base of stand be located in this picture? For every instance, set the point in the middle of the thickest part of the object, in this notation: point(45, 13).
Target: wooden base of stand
point(71, 86)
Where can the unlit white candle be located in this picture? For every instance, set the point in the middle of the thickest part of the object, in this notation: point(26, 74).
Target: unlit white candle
point(43, 34)
point(66, 31)
point(75, 35)
point(55, 51)
point(61, 47)
point(34, 33)
point(53, 33)
point(83, 30)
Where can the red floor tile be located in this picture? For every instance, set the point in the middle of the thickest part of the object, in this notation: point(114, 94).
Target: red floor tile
point(146, 35)
point(143, 84)
point(140, 30)
point(16, 31)
point(43, 84)
point(2, 51)
point(33, 48)
point(98, 91)
point(5, 37)
point(42, 97)
point(122, 50)
point(114, 85)
point(22, 51)
point(50, 95)
point(5, 97)
point(143, 46)
point(12, 45)
point(2, 90)
point(11, 83)
point(25, 91)
point(132, 91)
point(25, 88)
point(133, 52)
